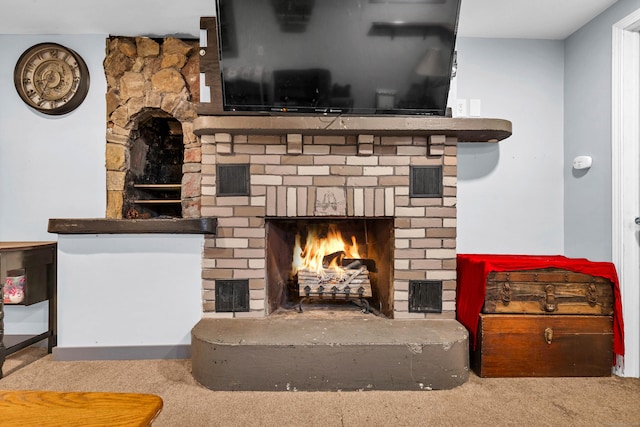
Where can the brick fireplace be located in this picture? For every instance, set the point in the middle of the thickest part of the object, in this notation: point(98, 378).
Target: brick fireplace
point(391, 181)
point(368, 177)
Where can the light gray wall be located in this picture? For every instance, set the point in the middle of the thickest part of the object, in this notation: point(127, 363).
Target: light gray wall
point(587, 210)
point(128, 290)
point(510, 194)
point(54, 167)
point(50, 166)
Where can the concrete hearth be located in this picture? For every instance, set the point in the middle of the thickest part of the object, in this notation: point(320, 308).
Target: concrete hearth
point(311, 354)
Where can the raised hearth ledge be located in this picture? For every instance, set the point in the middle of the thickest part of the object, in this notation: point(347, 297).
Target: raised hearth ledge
point(465, 129)
point(331, 354)
point(133, 226)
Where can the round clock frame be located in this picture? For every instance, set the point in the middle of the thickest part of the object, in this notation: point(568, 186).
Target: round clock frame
point(51, 78)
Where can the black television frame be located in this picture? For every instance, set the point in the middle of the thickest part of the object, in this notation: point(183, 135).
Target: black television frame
point(227, 45)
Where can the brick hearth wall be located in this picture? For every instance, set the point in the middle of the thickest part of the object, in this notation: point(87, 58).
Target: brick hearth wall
point(287, 173)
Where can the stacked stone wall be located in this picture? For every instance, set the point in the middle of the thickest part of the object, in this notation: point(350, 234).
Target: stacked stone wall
point(151, 78)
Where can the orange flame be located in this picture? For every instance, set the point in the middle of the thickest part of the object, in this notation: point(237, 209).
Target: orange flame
point(310, 256)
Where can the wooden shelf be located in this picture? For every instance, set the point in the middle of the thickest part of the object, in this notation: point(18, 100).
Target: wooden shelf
point(158, 186)
point(156, 202)
point(205, 225)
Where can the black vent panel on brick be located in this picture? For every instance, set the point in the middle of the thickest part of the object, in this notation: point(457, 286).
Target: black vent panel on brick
point(426, 181)
point(425, 296)
point(233, 180)
point(232, 295)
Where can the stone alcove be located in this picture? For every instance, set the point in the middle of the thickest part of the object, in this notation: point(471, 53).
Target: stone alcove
point(150, 79)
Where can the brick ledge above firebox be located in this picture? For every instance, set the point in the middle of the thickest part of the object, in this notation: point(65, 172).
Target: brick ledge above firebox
point(464, 129)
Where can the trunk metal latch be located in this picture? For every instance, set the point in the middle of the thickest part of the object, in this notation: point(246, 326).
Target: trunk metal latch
point(592, 295)
point(505, 292)
point(548, 302)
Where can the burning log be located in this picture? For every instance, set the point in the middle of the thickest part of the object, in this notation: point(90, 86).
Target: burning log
point(369, 263)
point(327, 259)
point(321, 270)
point(354, 264)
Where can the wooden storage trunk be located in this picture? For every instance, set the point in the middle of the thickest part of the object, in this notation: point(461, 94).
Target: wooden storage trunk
point(548, 291)
point(512, 345)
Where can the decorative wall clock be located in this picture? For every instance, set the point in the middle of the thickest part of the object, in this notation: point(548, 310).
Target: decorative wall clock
point(51, 78)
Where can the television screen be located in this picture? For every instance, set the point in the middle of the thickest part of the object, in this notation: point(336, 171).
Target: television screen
point(337, 56)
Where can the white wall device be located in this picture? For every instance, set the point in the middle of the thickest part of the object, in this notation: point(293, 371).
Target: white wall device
point(582, 162)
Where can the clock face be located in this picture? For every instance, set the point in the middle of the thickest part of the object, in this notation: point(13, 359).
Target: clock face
point(51, 78)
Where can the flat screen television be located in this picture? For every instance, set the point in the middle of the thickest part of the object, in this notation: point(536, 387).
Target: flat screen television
point(337, 56)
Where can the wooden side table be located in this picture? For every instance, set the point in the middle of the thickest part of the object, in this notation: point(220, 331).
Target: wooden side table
point(37, 262)
point(86, 409)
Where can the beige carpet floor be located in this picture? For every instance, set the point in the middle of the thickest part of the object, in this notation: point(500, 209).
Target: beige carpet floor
point(609, 401)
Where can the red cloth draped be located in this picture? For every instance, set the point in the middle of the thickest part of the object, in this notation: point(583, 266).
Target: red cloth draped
point(473, 270)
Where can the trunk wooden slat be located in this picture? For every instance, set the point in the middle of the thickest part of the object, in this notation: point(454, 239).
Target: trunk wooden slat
point(548, 291)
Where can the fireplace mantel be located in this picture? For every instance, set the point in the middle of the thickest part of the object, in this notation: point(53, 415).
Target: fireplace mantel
point(464, 129)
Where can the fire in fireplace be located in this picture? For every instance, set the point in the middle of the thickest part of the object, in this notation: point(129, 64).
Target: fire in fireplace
point(337, 263)
point(328, 267)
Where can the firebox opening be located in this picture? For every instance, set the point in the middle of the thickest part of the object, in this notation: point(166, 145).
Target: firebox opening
point(363, 279)
point(153, 181)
